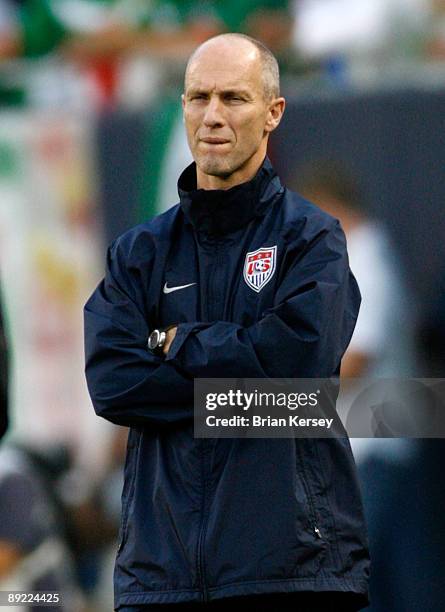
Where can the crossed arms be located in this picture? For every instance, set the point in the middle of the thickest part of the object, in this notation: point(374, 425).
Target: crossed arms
point(304, 334)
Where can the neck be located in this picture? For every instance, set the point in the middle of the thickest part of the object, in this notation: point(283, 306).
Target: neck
point(241, 175)
point(219, 212)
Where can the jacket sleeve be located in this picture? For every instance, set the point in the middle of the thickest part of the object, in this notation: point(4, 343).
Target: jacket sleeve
point(127, 383)
point(304, 334)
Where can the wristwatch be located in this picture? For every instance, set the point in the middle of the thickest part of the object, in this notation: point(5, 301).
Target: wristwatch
point(156, 339)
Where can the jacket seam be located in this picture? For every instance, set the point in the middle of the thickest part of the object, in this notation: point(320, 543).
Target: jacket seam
point(311, 579)
point(138, 593)
point(346, 580)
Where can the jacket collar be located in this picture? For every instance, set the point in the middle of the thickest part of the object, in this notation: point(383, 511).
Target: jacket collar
point(218, 211)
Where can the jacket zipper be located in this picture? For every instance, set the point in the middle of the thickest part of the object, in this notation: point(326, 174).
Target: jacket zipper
point(211, 311)
point(202, 533)
point(212, 302)
point(310, 501)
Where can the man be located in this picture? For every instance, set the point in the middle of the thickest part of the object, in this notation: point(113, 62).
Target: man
point(274, 523)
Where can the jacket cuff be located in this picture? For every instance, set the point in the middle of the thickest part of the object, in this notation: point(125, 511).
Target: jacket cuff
point(183, 331)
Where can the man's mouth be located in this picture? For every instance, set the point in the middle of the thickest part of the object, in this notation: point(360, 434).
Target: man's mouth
point(214, 140)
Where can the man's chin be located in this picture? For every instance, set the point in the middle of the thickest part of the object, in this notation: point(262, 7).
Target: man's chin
point(214, 167)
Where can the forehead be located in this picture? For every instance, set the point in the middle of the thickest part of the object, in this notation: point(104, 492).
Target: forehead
point(225, 68)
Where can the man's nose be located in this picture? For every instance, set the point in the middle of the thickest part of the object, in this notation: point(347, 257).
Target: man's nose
point(214, 115)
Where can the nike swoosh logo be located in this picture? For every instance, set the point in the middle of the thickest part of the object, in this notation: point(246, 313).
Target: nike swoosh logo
point(171, 289)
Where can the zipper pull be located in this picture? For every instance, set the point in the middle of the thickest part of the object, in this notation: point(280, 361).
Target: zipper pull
point(318, 532)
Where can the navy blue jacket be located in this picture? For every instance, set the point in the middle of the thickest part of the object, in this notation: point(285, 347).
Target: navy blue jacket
point(204, 519)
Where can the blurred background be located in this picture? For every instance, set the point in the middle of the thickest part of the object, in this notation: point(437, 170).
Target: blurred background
point(92, 142)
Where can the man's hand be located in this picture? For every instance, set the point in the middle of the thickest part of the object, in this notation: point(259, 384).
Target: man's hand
point(170, 335)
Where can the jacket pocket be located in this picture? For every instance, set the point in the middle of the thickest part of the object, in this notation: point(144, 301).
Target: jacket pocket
point(310, 503)
point(309, 544)
point(131, 460)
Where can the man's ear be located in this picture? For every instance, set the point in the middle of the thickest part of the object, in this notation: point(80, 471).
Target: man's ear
point(274, 114)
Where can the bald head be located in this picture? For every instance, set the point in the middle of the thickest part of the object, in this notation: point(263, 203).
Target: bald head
point(243, 47)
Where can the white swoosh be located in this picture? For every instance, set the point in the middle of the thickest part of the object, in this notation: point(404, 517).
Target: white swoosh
point(171, 289)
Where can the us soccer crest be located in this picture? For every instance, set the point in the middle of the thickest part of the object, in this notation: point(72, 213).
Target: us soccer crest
point(259, 267)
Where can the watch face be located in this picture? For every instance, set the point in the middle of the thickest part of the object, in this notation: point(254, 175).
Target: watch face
point(153, 339)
